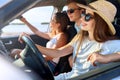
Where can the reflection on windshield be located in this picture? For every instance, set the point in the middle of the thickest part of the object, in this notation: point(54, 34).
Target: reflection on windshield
point(3, 2)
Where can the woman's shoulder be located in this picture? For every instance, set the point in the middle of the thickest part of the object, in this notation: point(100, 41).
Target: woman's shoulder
point(113, 43)
point(62, 37)
point(111, 46)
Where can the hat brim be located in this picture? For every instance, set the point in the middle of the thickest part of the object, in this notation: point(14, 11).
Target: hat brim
point(109, 23)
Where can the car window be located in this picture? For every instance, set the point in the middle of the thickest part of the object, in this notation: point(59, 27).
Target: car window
point(38, 17)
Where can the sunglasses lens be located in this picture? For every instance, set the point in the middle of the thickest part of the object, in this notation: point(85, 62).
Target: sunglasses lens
point(87, 17)
point(70, 11)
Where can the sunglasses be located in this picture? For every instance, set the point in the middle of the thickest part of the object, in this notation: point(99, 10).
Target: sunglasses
point(87, 17)
point(70, 11)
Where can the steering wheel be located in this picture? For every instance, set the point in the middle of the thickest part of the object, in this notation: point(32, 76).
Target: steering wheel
point(35, 60)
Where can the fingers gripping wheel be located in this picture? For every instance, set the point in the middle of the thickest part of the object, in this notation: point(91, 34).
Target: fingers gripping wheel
point(35, 60)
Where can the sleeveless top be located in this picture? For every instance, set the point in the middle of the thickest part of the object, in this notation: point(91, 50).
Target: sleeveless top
point(51, 43)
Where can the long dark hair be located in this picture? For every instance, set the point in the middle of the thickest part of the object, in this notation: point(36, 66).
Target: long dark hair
point(63, 19)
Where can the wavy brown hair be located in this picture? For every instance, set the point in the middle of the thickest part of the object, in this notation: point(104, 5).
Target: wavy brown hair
point(102, 32)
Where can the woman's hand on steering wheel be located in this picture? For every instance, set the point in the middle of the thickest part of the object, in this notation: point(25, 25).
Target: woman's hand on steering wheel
point(23, 34)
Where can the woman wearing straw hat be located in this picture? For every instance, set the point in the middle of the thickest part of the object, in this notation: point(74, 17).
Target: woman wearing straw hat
point(96, 35)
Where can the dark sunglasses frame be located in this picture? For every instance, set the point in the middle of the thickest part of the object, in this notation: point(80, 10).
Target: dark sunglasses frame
point(87, 17)
point(72, 10)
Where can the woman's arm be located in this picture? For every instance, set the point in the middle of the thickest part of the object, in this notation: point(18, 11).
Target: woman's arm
point(65, 50)
point(113, 57)
point(35, 30)
point(110, 53)
point(96, 57)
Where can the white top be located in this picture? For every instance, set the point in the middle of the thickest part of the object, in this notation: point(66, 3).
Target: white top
point(51, 43)
point(81, 64)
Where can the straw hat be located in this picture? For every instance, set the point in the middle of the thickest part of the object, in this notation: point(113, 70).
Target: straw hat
point(105, 9)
